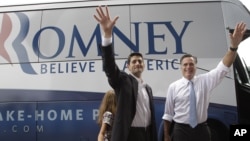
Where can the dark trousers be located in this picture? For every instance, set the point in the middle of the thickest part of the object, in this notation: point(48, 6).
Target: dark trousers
point(140, 134)
point(183, 132)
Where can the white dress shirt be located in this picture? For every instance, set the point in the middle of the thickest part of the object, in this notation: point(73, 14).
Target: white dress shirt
point(177, 98)
point(143, 114)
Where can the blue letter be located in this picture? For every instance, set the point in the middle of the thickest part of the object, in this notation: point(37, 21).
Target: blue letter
point(19, 47)
point(36, 42)
point(127, 41)
point(177, 37)
point(76, 35)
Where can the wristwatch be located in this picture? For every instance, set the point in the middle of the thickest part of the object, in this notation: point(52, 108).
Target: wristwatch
point(233, 49)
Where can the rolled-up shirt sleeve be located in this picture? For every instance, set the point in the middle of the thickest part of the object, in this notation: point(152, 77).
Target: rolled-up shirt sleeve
point(215, 76)
point(221, 66)
point(169, 105)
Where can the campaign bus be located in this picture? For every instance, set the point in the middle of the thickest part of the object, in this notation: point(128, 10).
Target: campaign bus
point(52, 80)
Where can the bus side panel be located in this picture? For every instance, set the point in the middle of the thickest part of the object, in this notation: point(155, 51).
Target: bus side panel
point(57, 49)
point(17, 121)
point(73, 117)
point(66, 121)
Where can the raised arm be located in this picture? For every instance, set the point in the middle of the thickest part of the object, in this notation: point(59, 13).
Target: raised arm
point(109, 66)
point(105, 22)
point(235, 40)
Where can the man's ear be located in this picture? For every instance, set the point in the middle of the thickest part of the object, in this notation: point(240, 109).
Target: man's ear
point(127, 65)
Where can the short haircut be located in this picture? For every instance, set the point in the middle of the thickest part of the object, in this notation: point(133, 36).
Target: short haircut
point(189, 55)
point(132, 55)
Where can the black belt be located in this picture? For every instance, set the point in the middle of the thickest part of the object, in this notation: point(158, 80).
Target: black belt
point(187, 125)
point(146, 129)
point(140, 133)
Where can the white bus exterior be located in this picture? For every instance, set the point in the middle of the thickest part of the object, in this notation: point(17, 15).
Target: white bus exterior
point(51, 67)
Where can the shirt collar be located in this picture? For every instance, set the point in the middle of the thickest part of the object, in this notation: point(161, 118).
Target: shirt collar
point(186, 81)
point(140, 81)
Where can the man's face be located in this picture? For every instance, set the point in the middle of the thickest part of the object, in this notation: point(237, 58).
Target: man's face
point(188, 67)
point(136, 66)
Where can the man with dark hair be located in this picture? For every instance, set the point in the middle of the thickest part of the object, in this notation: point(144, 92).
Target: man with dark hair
point(134, 120)
point(187, 99)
